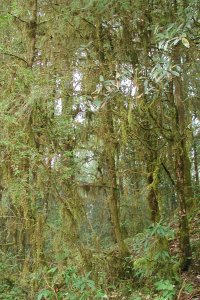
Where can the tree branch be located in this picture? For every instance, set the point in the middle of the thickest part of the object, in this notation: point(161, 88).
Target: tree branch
point(168, 173)
point(15, 56)
point(18, 18)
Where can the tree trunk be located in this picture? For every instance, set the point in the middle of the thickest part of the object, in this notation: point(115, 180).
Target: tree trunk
point(152, 199)
point(196, 167)
point(153, 180)
point(110, 150)
point(181, 138)
point(184, 239)
point(114, 193)
point(182, 170)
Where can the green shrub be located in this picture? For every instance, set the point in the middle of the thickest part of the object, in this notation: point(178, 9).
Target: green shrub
point(154, 257)
point(166, 289)
point(73, 286)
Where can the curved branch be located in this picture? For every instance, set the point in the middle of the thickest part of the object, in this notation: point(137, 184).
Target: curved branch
point(15, 56)
point(18, 18)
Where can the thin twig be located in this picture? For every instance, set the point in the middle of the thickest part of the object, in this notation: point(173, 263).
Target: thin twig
point(18, 18)
point(50, 287)
point(15, 56)
point(16, 217)
point(168, 173)
point(8, 244)
point(180, 292)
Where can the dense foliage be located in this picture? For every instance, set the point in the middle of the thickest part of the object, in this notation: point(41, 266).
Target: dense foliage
point(99, 149)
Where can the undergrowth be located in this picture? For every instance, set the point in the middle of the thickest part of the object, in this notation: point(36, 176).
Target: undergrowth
point(152, 272)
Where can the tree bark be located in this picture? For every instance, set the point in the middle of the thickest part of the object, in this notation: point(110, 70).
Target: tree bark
point(32, 32)
point(184, 237)
point(196, 167)
point(110, 143)
point(182, 170)
point(152, 199)
point(114, 197)
point(182, 138)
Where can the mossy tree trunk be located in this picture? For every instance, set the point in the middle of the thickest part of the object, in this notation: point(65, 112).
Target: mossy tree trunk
point(182, 168)
point(114, 195)
point(110, 143)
